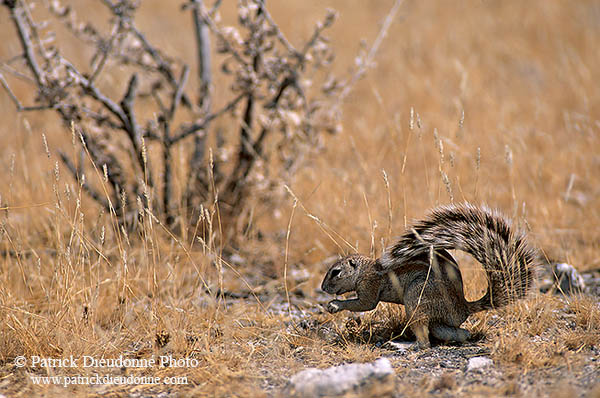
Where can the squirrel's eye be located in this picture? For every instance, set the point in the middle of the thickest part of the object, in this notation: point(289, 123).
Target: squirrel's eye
point(352, 263)
point(335, 272)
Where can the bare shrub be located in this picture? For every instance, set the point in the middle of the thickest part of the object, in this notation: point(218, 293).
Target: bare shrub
point(283, 98)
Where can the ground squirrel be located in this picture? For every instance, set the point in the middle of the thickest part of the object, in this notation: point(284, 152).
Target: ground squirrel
point(420, 273)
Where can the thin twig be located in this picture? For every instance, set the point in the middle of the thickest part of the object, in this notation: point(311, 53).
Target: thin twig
point(105, 160)
point(167, 145)
point(10, 92)
point(285, 260)
point(93, 91)
point(159, 102)
point(223, 40)
point(329, 18)
point(278, 32)
point(18, 73)
point(84, 184)
point(105, 51)
point(186, 131)
point(132, 128)
point(163, 67)
point(197, 179)
point(167, 184)
point(324, 227)
point(27, 13)
point(26, 44)
point(177, 94)
point(366, 63)
point(203, 53)
point(101, 119)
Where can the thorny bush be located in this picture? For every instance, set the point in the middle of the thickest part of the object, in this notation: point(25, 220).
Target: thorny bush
point(282, 100)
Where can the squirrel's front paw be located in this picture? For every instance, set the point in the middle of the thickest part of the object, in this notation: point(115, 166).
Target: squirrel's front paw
point(334, 306)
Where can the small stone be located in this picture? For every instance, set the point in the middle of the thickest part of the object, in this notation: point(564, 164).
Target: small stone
point(479, 363)
point(402, 347)
point(338, 380)
point(568, 279)
point(236, 259)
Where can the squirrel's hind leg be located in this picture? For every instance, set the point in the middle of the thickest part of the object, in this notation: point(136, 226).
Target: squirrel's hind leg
point(421, 331)
point(450, 333)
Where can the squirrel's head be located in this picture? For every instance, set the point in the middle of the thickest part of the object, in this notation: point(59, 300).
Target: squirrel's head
point(343, 274)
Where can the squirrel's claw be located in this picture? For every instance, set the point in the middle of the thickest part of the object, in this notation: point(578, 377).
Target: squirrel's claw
point(333, 307)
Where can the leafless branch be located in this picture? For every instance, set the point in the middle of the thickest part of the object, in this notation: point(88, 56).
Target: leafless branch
point(228, 47)
point(277, 30)
point(84, 184)
point(178, 93)
point(203, 53)
point(367, 62)
point(10, 92)
point(187, 130)
point(33, 29)
point(285, 107)
point(167, 119)
point(18, 73)
point(95, 93)
point(167, 184)
point(163, 66)
point(318, 31)
point(197, 179)
point(16, 14)
point(19, 106)
point(104, 51)
point(133, 130)
point(101, 119)
point(108, 162)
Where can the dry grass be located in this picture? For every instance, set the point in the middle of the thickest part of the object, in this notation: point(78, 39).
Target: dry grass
point(490, 102)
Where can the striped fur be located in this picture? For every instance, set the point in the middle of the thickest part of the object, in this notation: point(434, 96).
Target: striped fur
point(486, 235)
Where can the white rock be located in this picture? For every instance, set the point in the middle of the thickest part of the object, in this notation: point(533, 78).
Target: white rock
point(337, 380)
point(402, 347)
point(569, 279)
point(479, 363)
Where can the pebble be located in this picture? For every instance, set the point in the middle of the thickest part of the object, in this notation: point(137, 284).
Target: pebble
point(338, 380)
point(478, 363)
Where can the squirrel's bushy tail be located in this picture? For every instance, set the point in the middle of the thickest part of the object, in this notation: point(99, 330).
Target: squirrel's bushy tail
point(486, 235)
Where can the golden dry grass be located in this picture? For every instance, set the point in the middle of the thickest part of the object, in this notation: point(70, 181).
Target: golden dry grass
point(510, 89)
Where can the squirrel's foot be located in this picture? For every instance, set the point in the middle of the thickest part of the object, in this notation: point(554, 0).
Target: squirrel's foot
point(334, 306)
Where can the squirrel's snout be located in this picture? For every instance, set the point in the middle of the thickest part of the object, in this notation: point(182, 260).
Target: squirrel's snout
point(326, 285)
